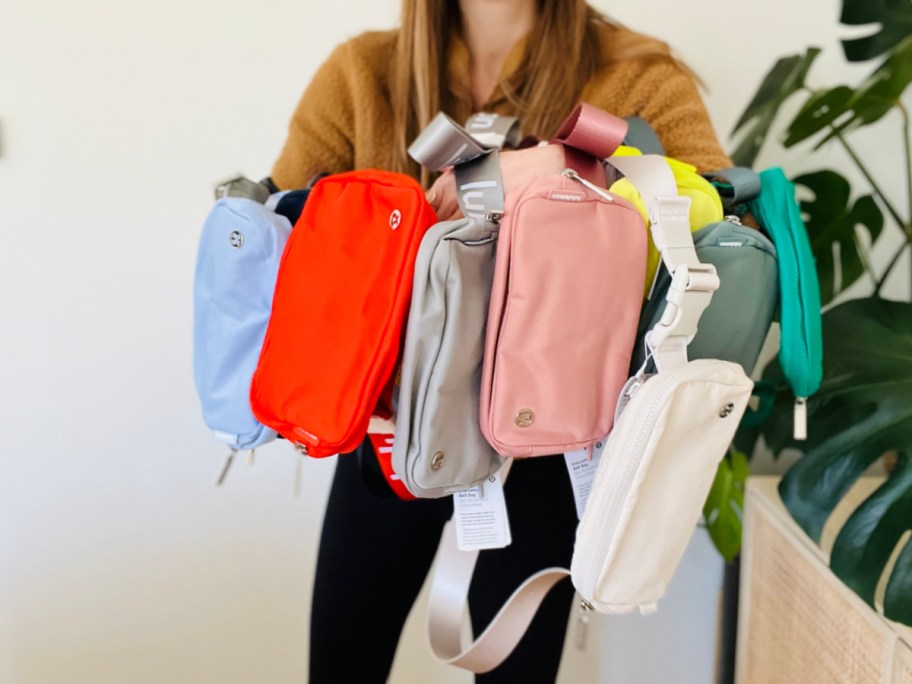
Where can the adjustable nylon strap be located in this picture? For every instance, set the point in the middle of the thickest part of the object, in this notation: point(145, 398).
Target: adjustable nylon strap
point(494, 130)
point(479, 185)
point(692, 282)
point(641, 136)
point(479, 190)
point(592, 131)
point(449, 592)
point(445, 143)
point(743, 185)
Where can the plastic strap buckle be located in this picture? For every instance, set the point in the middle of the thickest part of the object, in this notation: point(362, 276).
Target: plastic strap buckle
point(688, 296)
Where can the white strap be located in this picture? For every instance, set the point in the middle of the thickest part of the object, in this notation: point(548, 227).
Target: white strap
point(447, 607)
point(692, 282)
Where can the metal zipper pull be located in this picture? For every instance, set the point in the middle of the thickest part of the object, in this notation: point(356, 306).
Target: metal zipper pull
point(582, 628)
point(731, 218)
point(601, 192)
point(800, 419)
point(223, 473)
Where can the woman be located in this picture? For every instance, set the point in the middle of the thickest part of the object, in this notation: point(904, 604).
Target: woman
point(531, 58)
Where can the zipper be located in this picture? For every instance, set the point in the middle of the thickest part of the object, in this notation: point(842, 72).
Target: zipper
point(601, 192)
point(618, 493)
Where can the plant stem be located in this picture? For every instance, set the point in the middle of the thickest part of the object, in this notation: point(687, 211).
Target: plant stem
point(870, 179)
point(886, 274)
point(905, 227)
point(908, 146)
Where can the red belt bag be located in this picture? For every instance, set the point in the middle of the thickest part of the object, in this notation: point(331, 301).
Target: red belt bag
point(340, 301)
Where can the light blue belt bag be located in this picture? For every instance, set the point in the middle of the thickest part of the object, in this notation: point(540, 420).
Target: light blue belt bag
point(238, 258)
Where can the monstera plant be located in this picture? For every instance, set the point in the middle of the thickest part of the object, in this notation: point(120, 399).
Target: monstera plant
point(862, 414)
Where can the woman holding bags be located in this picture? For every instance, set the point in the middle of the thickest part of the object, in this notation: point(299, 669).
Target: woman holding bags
point(534, 59)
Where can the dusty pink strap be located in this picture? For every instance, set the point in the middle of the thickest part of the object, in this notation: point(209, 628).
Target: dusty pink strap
point(592, 131)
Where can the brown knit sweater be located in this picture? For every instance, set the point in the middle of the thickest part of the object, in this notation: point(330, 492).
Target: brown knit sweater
point(344, 120)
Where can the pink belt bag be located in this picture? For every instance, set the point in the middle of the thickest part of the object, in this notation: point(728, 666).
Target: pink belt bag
point(559, 335)
point(657, 467)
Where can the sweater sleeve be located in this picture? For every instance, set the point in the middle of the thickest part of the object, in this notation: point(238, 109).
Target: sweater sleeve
point(664, 94)
point(320, 132)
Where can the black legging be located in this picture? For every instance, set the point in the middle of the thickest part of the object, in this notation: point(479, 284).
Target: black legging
point(375, 552)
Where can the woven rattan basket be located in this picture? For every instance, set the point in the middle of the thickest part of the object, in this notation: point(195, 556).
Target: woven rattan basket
point(798, 623)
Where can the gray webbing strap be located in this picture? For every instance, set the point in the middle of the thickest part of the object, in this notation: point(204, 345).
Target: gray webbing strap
point(445, 143)
point(744, 185)
point(239, 186)
point(479, 190)
point(479, 185)
point(641, 136)
point(494, 130)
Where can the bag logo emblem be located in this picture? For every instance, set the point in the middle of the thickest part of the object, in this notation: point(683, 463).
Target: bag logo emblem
point(726, 410)
point(236, 239)
point(524, 418)
point(395, 219)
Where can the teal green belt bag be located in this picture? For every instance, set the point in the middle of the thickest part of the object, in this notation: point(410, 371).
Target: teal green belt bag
point(801, 345)
point(737, 321)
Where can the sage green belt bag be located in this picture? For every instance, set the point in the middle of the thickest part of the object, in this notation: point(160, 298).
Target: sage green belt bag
point(734, 326)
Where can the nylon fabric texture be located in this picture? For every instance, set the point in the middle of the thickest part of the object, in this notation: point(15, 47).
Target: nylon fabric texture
point(237, 263)
point(651, 483)
point(340, 303)
point(556, 241)
point(439, 448)
point(735, 324)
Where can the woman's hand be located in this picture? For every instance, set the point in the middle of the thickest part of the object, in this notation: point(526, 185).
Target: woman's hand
point(517, 167)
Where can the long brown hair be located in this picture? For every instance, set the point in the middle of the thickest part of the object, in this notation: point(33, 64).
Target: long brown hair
point(562, 54)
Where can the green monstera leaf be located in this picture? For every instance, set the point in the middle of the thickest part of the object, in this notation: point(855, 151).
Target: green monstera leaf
point(723, 508)
point(834, 225)
point(842, 109)
point(784, 80)
point(879, 94)
point(862, 411)
point(895, 23)
point(823, 109)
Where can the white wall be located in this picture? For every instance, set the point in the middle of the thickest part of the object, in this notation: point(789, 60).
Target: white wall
point(119, 562)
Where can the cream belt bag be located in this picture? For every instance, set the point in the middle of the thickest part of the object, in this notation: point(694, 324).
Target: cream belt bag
point(671, 431)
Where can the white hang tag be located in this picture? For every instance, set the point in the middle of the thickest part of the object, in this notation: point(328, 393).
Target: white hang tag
point(581, 470)
point(481, 516)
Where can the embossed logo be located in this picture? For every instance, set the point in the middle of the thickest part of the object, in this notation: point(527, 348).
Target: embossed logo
point(524, 418)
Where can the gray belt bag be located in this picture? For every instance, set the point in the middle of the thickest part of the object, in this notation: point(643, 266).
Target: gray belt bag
point(438, 447)
point(734, 326)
